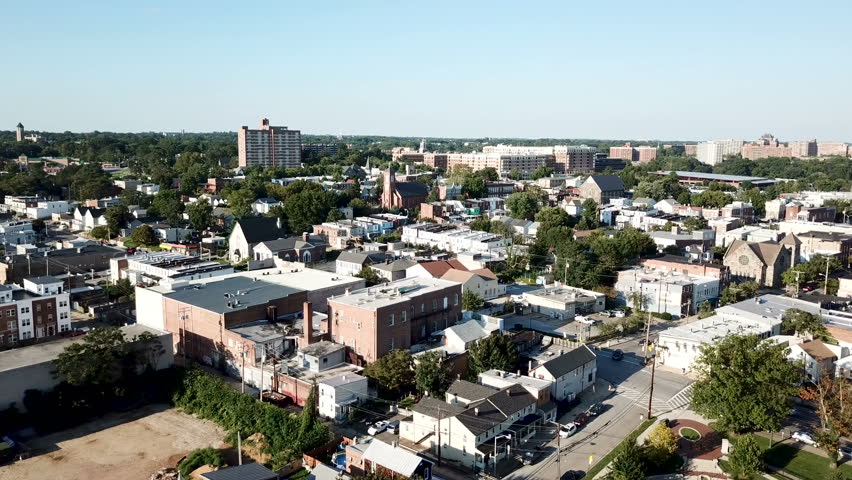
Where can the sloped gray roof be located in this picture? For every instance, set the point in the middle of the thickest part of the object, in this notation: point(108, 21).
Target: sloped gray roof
point(494, 410)
point(607, 182)
point(248, 471)
point(469, 390)
point(569, 361)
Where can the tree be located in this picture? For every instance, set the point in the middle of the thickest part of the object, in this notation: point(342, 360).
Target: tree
point(628, 463)
point(833, 398)
point(94, 361)
point(550, 218)
point(308, 417)
point(746, 458)
point(307, 205)
point(474, 187)
point(523, 205)
point(430, 375)
point(493, 351)
point(483, 224)
point(662, 444)
point(695, 223)
point(370, 276)
point(240, 202)
point(471, 301)
point(800, 322)
point(745, 383)
point(117, 217)
point(100, 232)
point(515, 174)
point(144, 235)
point(737, 292)
point(393, 372)
point(542, 172)
point(200, 214)
point(199, 457)
point(589, 217)
point(168, 205)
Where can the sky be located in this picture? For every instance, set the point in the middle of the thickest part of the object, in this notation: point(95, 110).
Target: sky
point(676, 70)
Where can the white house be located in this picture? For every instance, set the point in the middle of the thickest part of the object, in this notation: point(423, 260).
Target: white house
point(86, 218)
point(482, 282)
point(458, 338)
point(337, 394)
point(675, 293)
point(46, 208)
point(17, 233)
point(262, 206)
point(564, 302)
point(570, 373)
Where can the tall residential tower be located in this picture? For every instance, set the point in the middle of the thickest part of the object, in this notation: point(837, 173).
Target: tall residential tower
point(269, 147)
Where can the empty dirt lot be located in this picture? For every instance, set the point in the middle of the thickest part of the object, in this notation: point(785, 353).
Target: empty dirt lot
point(129, 446)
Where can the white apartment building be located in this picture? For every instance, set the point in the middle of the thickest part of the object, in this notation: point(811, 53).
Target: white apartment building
point(451, 239)
point(714, 152)
point(567, 158)
point(675, 293)
point(338, 394)
point(46, 208)
point(40, 309)
point(564, 302)
point(504, 163)
point(148, 188)
point(17, 233)
point(269, 146)
point(680, 346)
point(570, 373)
point(19, 204)
point(164, 268)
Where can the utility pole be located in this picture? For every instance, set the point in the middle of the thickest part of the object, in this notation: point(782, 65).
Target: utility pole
point(439, 436)
point(183, 316)
point(262, 359)
point(647, 337)
point(558, 451)
point(239, 447)
point(653, 370)
point(827, 261)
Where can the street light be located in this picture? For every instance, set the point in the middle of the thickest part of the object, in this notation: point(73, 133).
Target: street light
point(509, 437)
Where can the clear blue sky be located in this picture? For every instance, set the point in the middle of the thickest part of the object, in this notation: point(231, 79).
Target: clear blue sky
point(629, 69)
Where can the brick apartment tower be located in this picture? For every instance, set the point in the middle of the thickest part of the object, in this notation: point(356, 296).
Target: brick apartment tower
point(269, 147)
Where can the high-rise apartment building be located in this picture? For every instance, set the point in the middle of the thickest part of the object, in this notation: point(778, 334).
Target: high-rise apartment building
point(625, 153)
point(832, 149)
point(715, 151)
point(803, 149)
point(269, 147)
point(19, 132)
point(504, 163)
point(565, 158)
point(645, 154)
point(765, 147)
point(629, 153)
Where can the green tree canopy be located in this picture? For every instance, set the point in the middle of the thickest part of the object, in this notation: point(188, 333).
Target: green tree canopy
point(471, 301)
point(100, 232)
point(800, 322)
point(628, 463)
point(493, 351)
point(745, 383)
point(167, 204)
point(200, 214)
point(523, 205)
point(394, 372)
point(746, 458)
point(144, 235)
point(430, 375)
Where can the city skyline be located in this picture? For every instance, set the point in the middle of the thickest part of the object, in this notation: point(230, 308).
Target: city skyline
point(679, 72)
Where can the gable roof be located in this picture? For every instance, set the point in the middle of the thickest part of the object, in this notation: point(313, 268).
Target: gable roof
point(288, 243)
point(607, 182)
point(396, 265)
point(434, 408)
point(485, 272)
point(361, 258)
point(468, 331)
point(248, 471)
point(790, 239)
point(569, 361)
point(767, 252)
point(817, 350)
point(469, 390)
point(411, 189)
point(260, 229)
point(494, 410)
point(439, 267)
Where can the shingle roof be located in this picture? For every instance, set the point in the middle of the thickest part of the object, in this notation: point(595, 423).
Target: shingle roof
point(469, 390)
point(439, 267)
point(288, 243)
point(468, 331)
point(569, 361)
point(434, 408)
point(361, 258)
point(767, 252)
point(790, 239)
point(494, 410)
point(607, 182)
point(411, 189)
point(248, 471)
point(396, 265)
point(260, 229)
point(817, 350)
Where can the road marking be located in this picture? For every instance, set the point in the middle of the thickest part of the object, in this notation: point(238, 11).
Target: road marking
point(682, 398)
point(640, 399)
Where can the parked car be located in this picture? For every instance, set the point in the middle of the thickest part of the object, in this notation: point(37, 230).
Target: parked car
point(804, 437)
point(584, 320)
point(617, 355)
point(581, 419)
point(619, 313)
point(595, 409)
point(393, 427)
point(567, 430)
point(530, 458)
point(845, 451)
point(573, 475)
point(378, 427)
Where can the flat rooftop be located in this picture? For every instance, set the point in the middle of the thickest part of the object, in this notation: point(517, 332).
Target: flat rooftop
point(564, 294)
point(517, 379)
point(240, 292)
point(712, 329)
point(47, 352)
point(716, 176)
point(769, 306)
point(299, 278)
point(373, 298)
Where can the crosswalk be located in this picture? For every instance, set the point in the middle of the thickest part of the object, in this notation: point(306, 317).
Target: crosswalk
point(682, 398)
point(640, 399)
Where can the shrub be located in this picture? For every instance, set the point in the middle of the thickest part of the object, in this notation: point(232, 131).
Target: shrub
point(197, 458)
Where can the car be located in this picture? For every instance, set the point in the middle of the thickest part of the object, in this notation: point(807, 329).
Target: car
point(845, 451)
point(393, 427)
point(581, 419)
point(619, 313)
point(617, 355)
point(378, 427)
point(804, 437)
point(529, 458)
point(595, 409)
point(573, 475)
point(585, 320)
point(567, 430)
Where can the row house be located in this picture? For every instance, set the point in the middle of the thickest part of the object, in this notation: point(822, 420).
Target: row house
point(87, 218)
point(38, 310)
point(17, 233)
point(662, 291)
point(451, 239)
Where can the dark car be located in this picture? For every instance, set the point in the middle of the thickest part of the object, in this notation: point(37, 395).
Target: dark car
point(617, 355)
point(573, 475)
point(595, 409)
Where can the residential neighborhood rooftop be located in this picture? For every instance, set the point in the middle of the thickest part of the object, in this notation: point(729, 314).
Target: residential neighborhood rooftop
point(392, 292)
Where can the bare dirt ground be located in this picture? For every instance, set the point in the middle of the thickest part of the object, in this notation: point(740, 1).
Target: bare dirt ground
point(130, 446)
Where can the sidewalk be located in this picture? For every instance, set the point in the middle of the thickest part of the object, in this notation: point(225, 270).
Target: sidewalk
point(599, 392)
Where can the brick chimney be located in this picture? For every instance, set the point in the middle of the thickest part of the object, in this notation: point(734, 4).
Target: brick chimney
point(307, 323)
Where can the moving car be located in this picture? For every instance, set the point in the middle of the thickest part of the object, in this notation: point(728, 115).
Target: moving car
point(378, 427)
point(530, 458)
point(617, 355)
point(567, 430)
point(804, 437)
point(393, 427)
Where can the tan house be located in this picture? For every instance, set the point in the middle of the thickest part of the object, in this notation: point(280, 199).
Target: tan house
point(763, 262)
point(481, 281)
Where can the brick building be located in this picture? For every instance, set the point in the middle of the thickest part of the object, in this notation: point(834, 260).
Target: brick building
point(38, 310)
point(375, 320)
point(762, 262)
point(269, 147)
point(402, 194)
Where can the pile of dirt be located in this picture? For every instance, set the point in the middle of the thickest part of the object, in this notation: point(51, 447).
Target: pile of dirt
point(202, 470)
point(254, 446)
point(167, 473)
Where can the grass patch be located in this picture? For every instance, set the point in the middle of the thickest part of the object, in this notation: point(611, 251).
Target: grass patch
point(690, 434)
point(407, 402)
point(303, 473)
point(802, 464)
point(603, 462)
point(726, 467)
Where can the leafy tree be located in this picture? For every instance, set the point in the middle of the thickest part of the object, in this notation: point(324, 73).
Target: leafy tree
point(430, 375)
point(144, 235)
point(810, 271)
point(493, 351)
point(589, 217)
point(832, 397)
point(474, 187)
point(662, 444)
point(117, 217)
point(309, 416)
point(200, 214)
point(515, 174)
point(483, 224)
point(131, 198)
point(628, 463)
point(800, 322)
point(199, 457)
point(471, 301)
point(552, 217)
point(393, 372)
point(746, 458)
point(542, 172)
point(167, 204)
point(240, 202)
point(523, 205)
point(307, 205)
point(359, 207)
point(370, 276)
point(737, 292)
point(121, 288)
point(97, 360)
point(695, 223)
point(745, 383)
point(100, 232)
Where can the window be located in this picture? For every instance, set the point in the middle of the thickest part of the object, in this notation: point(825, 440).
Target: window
point(10, 312)
point(38, 307)
point(422, 308)
point(390, 320)
point(456, 299)
point(446, 304)
point(435, 305)
point(590, 378)
point(391, 343)
point(26, 322)
point(26, 335)
point(50, 306)
point(404, 316)
point(25, 309)
point(11, 326)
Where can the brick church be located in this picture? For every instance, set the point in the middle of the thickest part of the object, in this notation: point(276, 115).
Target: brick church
point(402, 194)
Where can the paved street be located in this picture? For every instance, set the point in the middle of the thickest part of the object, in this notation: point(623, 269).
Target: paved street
point(624, 411)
